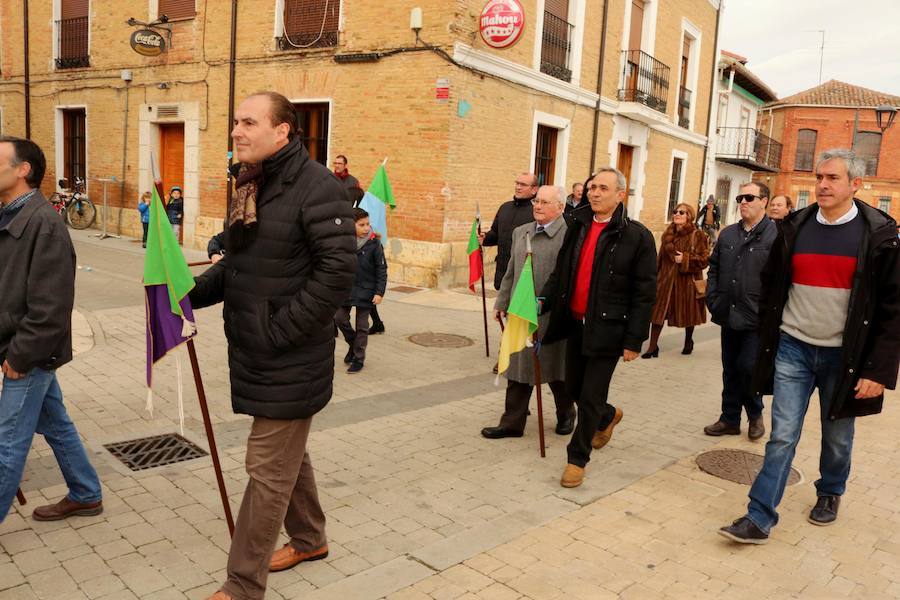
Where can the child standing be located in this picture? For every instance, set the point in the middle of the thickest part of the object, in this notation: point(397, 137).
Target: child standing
point(368, 290)
point(144, 209)
point(175, 210)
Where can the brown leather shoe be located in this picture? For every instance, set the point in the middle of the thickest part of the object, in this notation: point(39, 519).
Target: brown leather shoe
point(757, 428)
point(220, 595)
point(66, 508)
point(722, 428)
point(572, 476)
point(602, 437)
point(287, 557)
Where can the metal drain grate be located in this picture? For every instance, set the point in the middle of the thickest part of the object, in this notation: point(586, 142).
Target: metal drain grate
point(156, 451)
point(737, 466)
point(440, 340)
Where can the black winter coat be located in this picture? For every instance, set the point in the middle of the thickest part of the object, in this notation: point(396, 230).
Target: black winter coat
point(281, 291)
point(510, 215)
point(371, 274)
point(871, 348)
point(623, 285)
point(37, 288)
point(733, 280)
point(175, 211)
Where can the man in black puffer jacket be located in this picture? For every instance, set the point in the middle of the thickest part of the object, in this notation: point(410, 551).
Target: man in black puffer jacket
point(289, 264)
point(510, 215)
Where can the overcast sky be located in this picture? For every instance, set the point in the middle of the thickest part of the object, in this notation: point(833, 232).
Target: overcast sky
point(862, 41)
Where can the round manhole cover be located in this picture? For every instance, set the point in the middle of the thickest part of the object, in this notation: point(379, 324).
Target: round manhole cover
point(738, 466)
point(440, 340)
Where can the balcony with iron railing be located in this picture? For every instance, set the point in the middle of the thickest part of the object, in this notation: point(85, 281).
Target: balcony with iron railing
point(684, 107)
point(748, 148)
point(72, 39)
point(556, 47)
point(645, 80)
point(307, 41)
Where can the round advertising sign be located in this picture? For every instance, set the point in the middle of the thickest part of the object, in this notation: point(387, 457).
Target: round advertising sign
point(502, 23)
point(148, 42)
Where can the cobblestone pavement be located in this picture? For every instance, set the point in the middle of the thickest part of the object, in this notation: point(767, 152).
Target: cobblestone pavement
point(419, 505)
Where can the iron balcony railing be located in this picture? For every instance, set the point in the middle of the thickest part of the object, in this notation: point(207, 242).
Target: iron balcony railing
point(646, 80)
point(307, 41)
point(73, 43)
point(684, 107)
point(556, 47)
point(749, 147)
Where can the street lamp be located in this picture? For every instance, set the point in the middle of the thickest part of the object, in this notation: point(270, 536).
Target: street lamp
point(885, 114)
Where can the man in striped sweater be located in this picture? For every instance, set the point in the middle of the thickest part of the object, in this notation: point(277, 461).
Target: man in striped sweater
point(829, 319)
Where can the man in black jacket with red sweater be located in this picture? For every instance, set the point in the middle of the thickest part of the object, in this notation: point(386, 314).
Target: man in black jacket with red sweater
point(829, 319)
point(289, 264)
point(601, 296)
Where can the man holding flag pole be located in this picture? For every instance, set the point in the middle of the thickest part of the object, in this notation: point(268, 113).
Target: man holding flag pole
point(601, 296)
point(290, 262)
point(532, 259)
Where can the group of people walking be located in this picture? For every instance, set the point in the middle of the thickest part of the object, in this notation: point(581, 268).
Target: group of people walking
point(810, 302)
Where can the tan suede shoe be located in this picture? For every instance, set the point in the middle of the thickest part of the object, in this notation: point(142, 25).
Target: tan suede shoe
point(572, 476)
point(602, 437)
point(286, 557)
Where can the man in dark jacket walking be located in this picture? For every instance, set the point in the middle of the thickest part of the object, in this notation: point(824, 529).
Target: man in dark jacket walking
point(601, 296)
point(829, 319)
point(708, 219)
point(37, 292)
point(289, 264)
point(510, 215)
point(732, 293)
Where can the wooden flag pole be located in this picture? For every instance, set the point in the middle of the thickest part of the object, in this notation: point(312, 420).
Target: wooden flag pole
point(487, 343)
point(537, 364)
point(200, 263)
point(21, 497)
point(201, 394)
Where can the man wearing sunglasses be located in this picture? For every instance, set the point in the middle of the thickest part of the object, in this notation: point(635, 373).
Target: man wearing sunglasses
point(830, 319)
point(732, 296)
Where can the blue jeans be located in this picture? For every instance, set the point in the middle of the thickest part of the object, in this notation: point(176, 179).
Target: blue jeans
point(799, 368)
point(34, 404)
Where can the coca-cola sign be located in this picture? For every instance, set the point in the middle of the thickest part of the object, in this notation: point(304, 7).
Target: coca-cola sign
point(148, 42)
point(502, 23)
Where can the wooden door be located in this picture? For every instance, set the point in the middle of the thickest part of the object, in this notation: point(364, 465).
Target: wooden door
point(171, 160)
point(626, 157)
point(74, 143)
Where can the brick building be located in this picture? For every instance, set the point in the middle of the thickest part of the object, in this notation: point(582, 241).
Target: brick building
point(457, 118)
point(834, 115)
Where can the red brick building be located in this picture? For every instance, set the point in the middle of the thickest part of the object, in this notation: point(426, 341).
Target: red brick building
point(834, 115)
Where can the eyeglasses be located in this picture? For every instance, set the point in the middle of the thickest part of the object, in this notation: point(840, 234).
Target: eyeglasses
point(536, 202)
point(680, 212)
point(746, 198)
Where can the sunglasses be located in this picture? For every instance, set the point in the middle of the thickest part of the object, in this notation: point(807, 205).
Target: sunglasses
point(746, 198)
point(680, 212)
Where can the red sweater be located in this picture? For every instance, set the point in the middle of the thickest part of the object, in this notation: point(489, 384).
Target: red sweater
point(585, 270)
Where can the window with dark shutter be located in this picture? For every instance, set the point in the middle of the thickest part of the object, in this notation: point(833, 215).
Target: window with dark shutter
point(312, 121)
point(867, 146)
point(72, 31)
point(310, 24)
point(806, 150)
point(177, 9)
point(74, 145)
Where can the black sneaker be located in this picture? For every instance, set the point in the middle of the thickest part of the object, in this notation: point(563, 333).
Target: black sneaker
point(376, 328)
point(825, 511)
point(355, 367)
point(348, 358)
point(744, 531)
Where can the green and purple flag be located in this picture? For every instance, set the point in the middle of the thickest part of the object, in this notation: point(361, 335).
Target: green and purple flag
point(167, 281)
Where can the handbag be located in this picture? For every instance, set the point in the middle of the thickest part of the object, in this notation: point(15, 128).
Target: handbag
point(699, 286)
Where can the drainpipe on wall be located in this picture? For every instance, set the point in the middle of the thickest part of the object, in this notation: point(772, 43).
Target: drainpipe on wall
point(704, 168)
point(599, 87)
point(229, 186)
point(27, 73)
point(122, 201)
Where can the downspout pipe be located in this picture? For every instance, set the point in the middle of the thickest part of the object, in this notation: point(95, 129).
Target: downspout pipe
point(27, 72)
point(231, 70)
point(704, 173)
point(599, 86)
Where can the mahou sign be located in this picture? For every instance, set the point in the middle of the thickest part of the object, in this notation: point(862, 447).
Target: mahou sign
point(502, 22)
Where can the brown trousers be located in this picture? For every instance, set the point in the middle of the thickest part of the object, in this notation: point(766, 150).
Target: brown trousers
point(282, 488)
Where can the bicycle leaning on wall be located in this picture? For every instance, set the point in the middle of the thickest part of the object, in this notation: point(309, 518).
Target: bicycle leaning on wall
point(73, 205)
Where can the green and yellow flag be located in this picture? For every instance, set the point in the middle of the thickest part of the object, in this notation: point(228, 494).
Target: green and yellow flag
point(522, 317)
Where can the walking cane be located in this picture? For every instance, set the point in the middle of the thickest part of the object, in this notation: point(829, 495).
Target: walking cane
point(21, 497)
point(537, 386)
